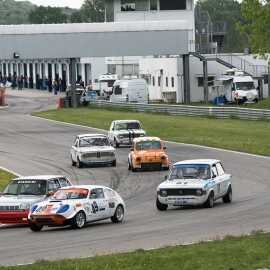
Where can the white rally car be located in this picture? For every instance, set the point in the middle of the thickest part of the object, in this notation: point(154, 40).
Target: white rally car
point(76, 206)
point(124, 131)
point(193, 182)
point(92, 149)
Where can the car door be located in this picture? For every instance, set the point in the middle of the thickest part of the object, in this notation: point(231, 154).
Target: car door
point(74, 149)
point(99, 205)
point(215, 179)
point(223, 179)
point(111, 132)
point(112, 201)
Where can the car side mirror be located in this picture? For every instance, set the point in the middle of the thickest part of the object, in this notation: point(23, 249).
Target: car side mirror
point(166, 177)
point(0, 193)
point(75, 145)
point(112, 129)
point(164, 147)
point(50, 193)
point(214, 176)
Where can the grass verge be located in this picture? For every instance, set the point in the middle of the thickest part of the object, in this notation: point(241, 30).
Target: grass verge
point(5, 177)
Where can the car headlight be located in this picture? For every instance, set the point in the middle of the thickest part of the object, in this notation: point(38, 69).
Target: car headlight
point(163, 157)
point(163, 193)
point(25, 206)
point(63, 209)
point(84, 155)
point(120, 136)
point(198, 192)
point(142, 135)
point(138, 159)
point(112, 154)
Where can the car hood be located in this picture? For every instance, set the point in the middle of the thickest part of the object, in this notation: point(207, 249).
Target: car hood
point(17, 200)
point(96, 148)
point(187, 183)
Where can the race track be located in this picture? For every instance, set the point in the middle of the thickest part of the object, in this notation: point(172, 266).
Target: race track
point(30, 146)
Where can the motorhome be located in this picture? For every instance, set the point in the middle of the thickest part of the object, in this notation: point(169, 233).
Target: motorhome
point(130, 89)
point(238, 87)
point(105, 83)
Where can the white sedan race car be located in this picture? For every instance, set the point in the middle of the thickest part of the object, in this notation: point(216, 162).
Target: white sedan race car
point(194, 182)
point(76, 206)
point(92, 149)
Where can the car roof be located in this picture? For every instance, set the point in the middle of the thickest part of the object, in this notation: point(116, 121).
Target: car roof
point(84, 186)
point(197, 161)
point(92, 135)
point(39, 177)
point(147, 138)
point(125, 121)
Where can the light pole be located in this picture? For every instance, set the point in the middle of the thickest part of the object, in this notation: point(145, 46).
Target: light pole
point(67, 8)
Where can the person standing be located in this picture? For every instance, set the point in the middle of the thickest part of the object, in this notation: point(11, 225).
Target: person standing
point(60, 84)
point(13, 82)
point(50, 84)
point(55, 86)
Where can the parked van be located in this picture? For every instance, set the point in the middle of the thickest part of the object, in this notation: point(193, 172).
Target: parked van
point(131, 90)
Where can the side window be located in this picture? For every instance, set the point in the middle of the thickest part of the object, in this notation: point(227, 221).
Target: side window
point(110, 193)
point(64, 182)
point(96, 193)
point(220, 169)
point(214, 171)
point(54, 185)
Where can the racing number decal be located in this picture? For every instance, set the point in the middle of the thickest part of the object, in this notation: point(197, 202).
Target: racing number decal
point(41, 209)
point(94, 207)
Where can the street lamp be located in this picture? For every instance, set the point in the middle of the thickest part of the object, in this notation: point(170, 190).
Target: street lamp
point(67, 8)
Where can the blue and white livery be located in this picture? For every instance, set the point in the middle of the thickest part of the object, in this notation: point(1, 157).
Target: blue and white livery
point(194, 182)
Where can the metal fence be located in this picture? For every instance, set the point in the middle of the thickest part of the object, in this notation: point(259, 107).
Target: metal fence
point(184, 110)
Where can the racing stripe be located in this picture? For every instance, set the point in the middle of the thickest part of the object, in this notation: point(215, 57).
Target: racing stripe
point(129, 136)
point(133, 134)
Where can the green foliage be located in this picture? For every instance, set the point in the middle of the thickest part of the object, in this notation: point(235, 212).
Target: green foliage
point(228, 11)
point(233, 117)
point(46, 15)
point(257, 30)
point(5, 177)
point(90, 11)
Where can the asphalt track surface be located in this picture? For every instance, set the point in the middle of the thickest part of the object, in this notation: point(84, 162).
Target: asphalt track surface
point(31, 146)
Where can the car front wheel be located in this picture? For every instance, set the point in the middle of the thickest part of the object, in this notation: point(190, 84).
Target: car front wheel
point(228, 197)
point(78, 221)
point(161, 206)
point(34, 227)
point(129, 166)
point(116, 144)
point(210, 200)
point(79, 163)
point(73, 163)
point(113, 164)
point(118, 214)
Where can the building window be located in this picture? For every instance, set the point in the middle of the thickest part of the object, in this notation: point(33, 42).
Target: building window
point(172, 81)
point(158, 80)
point(153, 4)
point(109, 11)
point(210, 80)
point(153, 80)
point(172, 4)
point(134, 5)
point(166, 81)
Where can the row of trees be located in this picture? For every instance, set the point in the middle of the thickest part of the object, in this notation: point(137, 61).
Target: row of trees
point(247, 22)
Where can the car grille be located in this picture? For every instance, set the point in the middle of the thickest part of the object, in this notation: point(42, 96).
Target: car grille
point(181, 192)
point(9, 207)
point(127, 136)
point(98, 154)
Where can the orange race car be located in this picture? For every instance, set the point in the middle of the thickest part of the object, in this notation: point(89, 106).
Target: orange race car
point(147, 153)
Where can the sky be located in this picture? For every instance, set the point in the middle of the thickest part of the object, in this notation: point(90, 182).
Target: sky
point(58, 3)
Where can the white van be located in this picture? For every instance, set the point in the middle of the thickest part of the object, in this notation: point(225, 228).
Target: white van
point(130, 90)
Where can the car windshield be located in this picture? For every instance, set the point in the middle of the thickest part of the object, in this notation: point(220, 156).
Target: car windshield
point(26, 187)
point(189, 171)
point(93, 141)
point(128, 125)
point(70, 194)
point(146, 145)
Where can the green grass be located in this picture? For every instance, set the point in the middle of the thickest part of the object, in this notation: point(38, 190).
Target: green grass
point(5, 177)
point(232, 253)
point(231, 134)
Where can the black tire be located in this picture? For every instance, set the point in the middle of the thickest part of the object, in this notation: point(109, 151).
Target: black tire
point(133, 169)
point(113, 164)
point(210, 200)
point(129, 166)
point(116, 144)
point(118, 214)
point(73, 163)
point(166, 168)
point(34, 227)
point(161, 206)
point(79, 164)
point(228, 197)
point(78, 221)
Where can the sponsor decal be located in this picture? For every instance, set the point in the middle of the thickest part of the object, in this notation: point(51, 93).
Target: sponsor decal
point(210, 184)
point(111, 204)
point(78, 204)
point(94, 207)
point(27, 182)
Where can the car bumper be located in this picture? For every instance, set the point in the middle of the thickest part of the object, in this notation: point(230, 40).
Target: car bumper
point(51, 219)
point(183, 200)
point(14, 217)
point(97, 162)
point(151, 165)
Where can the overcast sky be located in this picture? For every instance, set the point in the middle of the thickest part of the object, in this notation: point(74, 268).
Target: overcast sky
point(58, 3)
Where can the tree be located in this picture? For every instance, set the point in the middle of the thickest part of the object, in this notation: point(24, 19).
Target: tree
point(230, 12)
point(90, 11)
point(46, 15)
point(257, 29)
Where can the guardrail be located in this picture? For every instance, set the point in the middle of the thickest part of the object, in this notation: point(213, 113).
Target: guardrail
point(185, 110)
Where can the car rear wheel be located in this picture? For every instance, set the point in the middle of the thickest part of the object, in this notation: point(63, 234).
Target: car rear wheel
point(116, 144)
point(210, 200)
point(34, 227)
point(78, 221)
point(129, 166)
point(79, 163)
point(161, 206)
point(228, 197)
point(133, 169)
point(118, 214)
point(113, 164)
point(166, 168)
point(73, 163)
